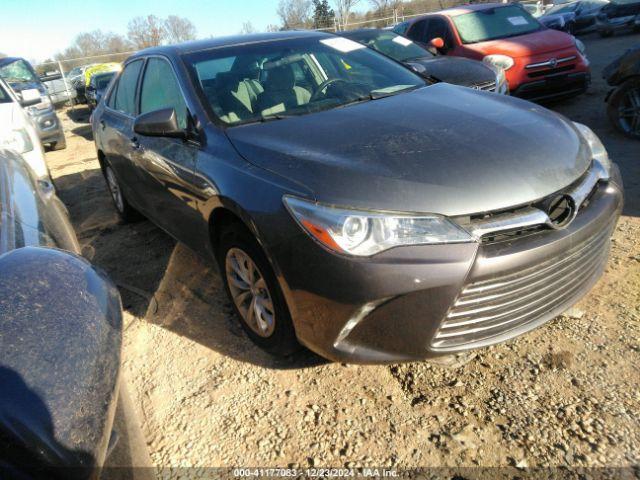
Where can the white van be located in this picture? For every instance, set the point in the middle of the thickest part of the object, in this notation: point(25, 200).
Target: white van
point(17, 131)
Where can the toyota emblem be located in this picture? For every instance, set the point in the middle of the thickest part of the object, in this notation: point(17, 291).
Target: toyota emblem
point(561, 211)
point(553, 62)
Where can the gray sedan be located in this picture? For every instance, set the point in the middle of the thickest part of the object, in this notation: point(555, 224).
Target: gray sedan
point(351, 206)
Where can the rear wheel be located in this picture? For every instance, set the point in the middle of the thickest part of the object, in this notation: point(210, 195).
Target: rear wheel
point(624, 108)
point(256, 295)
point(126, 212)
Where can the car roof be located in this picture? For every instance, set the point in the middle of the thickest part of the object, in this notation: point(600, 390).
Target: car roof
point(230, 41)
point(7, 60)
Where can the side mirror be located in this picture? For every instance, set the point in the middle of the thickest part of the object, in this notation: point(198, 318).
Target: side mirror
point(159, 123)
point(436, 43)
point(29, 97)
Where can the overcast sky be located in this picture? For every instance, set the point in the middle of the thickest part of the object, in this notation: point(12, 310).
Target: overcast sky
point(37, 29)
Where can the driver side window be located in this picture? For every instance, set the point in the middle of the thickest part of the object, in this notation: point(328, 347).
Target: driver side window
point(438, 27)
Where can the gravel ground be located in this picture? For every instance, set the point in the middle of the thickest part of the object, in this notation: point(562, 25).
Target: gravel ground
point(564, 395)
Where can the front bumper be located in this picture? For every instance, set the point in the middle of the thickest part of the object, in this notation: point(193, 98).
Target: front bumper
point(396, 305)
point(554, 87)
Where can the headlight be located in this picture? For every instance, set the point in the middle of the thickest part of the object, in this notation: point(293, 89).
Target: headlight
point(364, 233)
point(580, 46)
point(598, 152)
point(501, 61)
point(501, 82)
point(17, 140)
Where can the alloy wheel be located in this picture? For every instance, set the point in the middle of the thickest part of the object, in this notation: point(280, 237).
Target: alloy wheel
point(114, 189)
point(629, 112)
point(250, 292)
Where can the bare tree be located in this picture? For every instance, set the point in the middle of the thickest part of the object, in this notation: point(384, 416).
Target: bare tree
point(144, 32)
point(343, 10)
point(295, 13)
point(247, 28)
point(179, 29)
point(273, 28)
point(385, 6)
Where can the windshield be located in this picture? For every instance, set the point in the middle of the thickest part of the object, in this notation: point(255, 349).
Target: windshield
point(18, 72)
point(493, 23)
point(271, 80)
point(391, 44)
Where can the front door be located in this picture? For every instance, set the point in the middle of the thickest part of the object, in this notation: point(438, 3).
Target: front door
point(168, 164)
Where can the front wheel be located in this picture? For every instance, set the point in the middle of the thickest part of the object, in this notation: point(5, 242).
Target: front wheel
point(256, 295)
point(624, 108)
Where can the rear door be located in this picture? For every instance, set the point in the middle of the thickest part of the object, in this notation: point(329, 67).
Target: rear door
point(116, 129)
point(167, 164)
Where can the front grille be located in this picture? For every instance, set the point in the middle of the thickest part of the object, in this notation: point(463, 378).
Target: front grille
point(551, 71)
point(486, 86)
point(493, 307)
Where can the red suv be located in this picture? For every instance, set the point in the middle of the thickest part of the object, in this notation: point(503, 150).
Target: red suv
point(539, 63)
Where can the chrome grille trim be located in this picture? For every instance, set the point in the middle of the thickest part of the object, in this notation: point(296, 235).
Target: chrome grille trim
point(489, 86)
point(531, 216)
point(490, 308)
point(548, 63)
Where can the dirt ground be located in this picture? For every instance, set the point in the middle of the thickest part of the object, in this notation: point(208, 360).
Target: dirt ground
point(564, 395)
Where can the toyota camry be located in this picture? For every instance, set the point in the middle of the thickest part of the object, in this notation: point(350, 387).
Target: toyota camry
point(352, 206)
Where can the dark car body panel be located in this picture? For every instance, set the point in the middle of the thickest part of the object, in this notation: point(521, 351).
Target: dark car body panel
point(59, 363)
point(440, 149)
point(61, 337)
point(457, 70)
point(618, 16)
point(581, 20)
point(360, 156)
point(622, 68)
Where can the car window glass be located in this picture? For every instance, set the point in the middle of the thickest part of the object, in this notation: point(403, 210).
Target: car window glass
point(160, 90)
point(493, 23)
point(439, 28)
point(394, 46)
point(401, 28)
point(418, 31)
point(126, 94)
point(295, 77)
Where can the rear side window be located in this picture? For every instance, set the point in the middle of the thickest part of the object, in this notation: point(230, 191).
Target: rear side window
point(126, 93)
point(160, 89)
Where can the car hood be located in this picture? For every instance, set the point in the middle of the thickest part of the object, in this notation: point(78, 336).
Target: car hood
point(441, 149)
point(535, 43)
point(458, 70)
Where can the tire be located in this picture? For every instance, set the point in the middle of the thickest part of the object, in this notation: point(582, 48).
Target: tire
point(624, 108)
point(277, 337)
point(59, 145)
point(126, 212)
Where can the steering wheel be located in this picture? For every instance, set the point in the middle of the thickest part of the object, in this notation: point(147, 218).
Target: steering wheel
point(324, 85)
